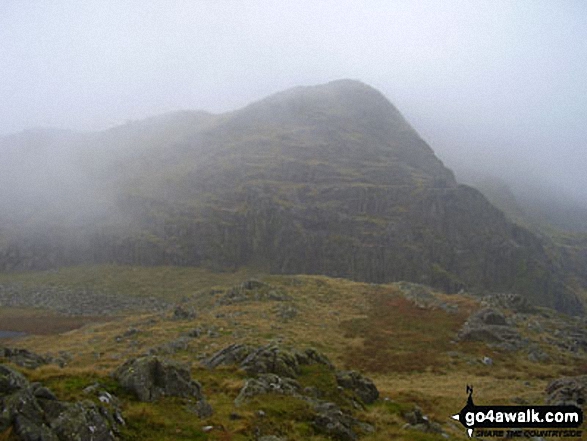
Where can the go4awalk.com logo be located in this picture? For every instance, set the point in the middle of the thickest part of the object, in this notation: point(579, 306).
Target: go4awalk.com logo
point(520, 421)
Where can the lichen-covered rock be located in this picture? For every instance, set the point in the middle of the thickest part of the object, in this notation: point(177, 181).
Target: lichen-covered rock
point(362, 386)
point(311, 356)
point(31, 430)
point(35, 414)
point(513, 302)
point(151, 378)
point(231, 355)
point(267, 383)
point(567, 391)
point(265, 359)
point(271, 359)
point(82, 421)
point(11, 380)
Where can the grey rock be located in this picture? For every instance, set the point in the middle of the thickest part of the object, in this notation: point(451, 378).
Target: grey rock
point(265, 384)
point(513, 302)
point(490, 326)
point(151, 377)
point(36, 415)
point(271, 359)
point(11, 380)
point(231, 355)
point(24, 357)
point(418, 421)
point(332, 421)
point(362, 386)
point(567, 391)
point(82, 421)
point(200, 408)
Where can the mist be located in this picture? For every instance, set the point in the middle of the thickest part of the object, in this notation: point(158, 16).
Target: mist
point(496, 88)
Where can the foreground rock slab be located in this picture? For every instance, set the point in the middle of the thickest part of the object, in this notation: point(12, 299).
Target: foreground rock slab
point(35, 414)
point(152, 377)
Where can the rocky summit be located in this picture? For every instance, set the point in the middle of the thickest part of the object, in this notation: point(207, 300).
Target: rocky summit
point(329, 179)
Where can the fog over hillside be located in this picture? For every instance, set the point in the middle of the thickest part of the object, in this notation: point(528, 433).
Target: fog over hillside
point(493, 87)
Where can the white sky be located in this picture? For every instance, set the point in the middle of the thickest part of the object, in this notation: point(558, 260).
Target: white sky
point(504, 82)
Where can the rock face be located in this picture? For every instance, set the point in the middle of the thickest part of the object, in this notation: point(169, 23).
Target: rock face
point(151, 378)
point(567, 391)
point(327, 180)
point(35, 414)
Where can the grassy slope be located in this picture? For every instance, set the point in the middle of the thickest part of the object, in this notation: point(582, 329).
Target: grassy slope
point(371, 328)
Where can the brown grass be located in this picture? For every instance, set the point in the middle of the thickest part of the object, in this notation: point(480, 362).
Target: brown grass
point(398, 336)
point(42, 322)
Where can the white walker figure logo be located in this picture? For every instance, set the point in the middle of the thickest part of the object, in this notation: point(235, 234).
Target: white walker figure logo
point(552, 420)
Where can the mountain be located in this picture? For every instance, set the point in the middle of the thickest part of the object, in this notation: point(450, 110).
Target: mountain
point(328, 179)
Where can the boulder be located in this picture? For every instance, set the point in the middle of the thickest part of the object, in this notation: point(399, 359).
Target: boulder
point(151, 378)
point(82, 421)
point(362, 386)
point(567, 391)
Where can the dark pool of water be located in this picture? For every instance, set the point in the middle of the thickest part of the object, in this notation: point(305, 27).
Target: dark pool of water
point(11, 334)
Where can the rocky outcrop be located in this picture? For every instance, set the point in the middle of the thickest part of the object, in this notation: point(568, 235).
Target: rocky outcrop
point(35, 414)
point(151, 378)
point(269, 359)
point(491, 326)
point(567, 391)
point(362, 386)
point(24, 357)
point(276, 370)
point(512, 302)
